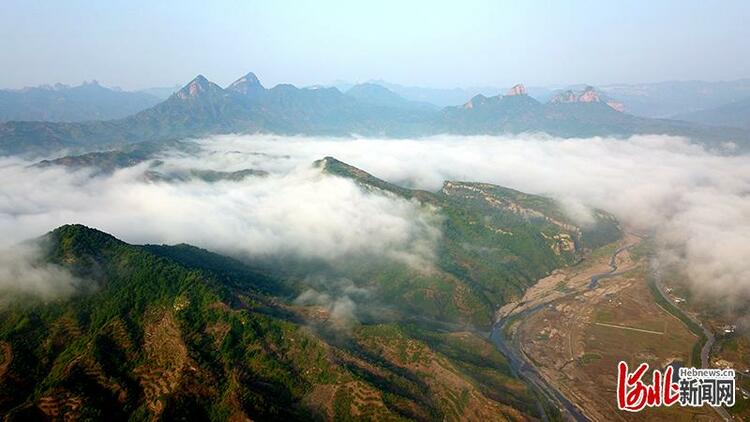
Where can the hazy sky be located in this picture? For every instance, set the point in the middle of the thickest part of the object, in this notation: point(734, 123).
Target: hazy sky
point(137, 44)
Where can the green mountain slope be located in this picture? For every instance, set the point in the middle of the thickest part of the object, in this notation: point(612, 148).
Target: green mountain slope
point(167, 332)
point(177, 332)
point(495, 243)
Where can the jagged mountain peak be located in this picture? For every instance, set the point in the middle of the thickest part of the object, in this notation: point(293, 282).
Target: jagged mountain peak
point(588, 94)
point(246, 84)
point(567, 96)
point(195, 88)
point(517, 89)
point(200, 79)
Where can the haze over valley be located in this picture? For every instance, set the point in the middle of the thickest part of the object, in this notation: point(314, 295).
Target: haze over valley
point(373, 211)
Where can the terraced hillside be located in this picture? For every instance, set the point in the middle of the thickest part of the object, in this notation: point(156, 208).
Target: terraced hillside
point(164, 339)
point(165, 332)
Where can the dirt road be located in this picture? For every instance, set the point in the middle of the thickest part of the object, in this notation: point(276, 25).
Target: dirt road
point(547, 335)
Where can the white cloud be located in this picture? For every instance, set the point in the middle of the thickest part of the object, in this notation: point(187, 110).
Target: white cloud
point(22, 271)
point(696, 202)
point(341, 309)
point(301, 211)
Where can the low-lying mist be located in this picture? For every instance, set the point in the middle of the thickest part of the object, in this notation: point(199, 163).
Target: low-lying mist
point(24, 273)
point(695, 202)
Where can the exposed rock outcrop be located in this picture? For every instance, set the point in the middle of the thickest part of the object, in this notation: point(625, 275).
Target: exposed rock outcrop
point(247, 84)
point(588, 95)
point(517, 89)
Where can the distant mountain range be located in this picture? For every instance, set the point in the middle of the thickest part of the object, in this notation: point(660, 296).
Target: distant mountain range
point(440, 97)
point(736, 114)
point(674, 98)
point(203, 108)
point(62, 103)
point(568, 114)
point(91, 101)
point(375, 94)
point(657, 100)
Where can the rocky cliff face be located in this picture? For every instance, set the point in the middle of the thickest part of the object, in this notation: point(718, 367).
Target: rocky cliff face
point(588, 95)
point(246, 85)
point(565, 97)
point(518, 89)
point(196, 88)
point(480, 100)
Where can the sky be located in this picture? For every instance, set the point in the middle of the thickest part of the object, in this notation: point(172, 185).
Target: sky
point(140, 44)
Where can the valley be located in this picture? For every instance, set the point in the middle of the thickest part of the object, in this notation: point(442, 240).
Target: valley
point(515, 311)
point(567, 333)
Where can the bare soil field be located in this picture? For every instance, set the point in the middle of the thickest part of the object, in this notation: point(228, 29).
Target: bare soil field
point(579, 334)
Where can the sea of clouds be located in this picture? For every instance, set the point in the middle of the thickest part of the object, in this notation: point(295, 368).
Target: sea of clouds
point(695, 202)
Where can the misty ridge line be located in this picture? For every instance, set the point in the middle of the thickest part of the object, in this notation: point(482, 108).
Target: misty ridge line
point(694, 201)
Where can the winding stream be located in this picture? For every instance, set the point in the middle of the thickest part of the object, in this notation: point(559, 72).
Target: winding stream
point(523, 368)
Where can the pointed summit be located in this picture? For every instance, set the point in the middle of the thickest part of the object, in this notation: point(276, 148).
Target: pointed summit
point(247, 84)
point(72, 241)
point(517, 89)
point(198, 86)
point(589, 95)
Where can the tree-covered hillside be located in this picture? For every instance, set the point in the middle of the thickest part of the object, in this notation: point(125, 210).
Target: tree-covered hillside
point(495, 243)
point(178, 332)
point(172, 332)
